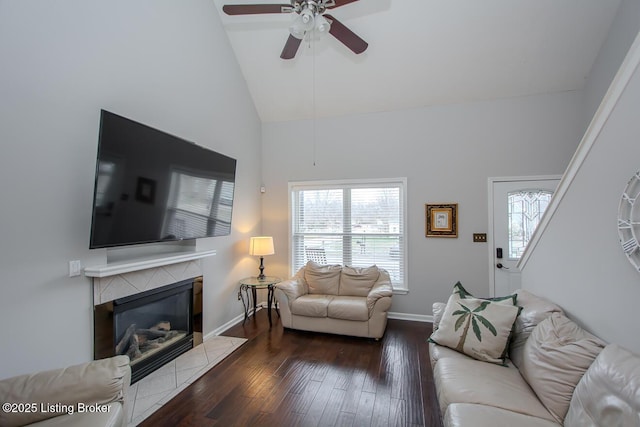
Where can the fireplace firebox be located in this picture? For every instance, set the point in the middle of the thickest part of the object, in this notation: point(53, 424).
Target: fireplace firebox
point(152, 327)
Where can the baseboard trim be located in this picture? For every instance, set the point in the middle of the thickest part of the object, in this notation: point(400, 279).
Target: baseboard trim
point(226, 326)
point(409, 316)
point(390, 315)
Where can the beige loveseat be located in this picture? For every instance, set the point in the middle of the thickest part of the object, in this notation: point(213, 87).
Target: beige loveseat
point(335, 299)
point(90, 394)
point(556, 374)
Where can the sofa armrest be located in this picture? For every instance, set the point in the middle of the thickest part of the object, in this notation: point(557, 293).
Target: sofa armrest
point(379, 290)
point(437, 311)
point(293, 288)
point(97, 382)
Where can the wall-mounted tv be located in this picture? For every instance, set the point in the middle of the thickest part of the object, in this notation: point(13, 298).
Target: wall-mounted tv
point(154, 187)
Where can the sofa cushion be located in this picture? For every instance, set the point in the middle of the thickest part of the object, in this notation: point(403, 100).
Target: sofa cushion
point(468, 414)
point(556, 355)
point(322, 279)
point(465, 380)
point(358, 281)
point(477, 328)
point(609, 392)
point(311, 305)
point(349, 308)
point(437, 352)
point(534, 310)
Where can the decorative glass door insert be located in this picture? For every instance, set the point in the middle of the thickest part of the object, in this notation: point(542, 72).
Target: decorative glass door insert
point(525, 209)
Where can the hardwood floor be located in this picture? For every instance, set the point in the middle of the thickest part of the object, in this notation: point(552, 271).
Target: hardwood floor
point(283, 377)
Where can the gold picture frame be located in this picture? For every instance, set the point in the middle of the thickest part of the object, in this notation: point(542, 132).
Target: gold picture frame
point(441, 220)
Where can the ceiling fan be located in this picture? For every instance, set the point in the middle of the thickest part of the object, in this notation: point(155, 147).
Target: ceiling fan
point(310, 17)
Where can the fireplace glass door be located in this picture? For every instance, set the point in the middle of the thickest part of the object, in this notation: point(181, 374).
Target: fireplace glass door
point(152, 327)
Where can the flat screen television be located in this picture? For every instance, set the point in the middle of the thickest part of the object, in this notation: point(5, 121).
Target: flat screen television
point(154, 187)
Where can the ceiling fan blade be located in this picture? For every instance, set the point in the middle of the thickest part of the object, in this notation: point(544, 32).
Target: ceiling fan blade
point(346, 36)
point(290, 47)
point(254, 9)
point(338, 3)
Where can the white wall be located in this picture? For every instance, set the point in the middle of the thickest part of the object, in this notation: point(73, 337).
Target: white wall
point(624, 28)
point(578, 261)
point(165, 63)
point(447, 153)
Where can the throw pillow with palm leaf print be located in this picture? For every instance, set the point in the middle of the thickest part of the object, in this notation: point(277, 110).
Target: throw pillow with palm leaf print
point(476, 327)
point(459, 290)
point(510, 299)
point(463, 293)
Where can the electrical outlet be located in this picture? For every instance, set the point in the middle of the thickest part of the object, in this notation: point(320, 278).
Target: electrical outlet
point(480, 237)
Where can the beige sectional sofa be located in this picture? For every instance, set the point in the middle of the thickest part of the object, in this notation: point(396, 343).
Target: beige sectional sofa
point(335, 299)
point(555, 374)
point(89, 394)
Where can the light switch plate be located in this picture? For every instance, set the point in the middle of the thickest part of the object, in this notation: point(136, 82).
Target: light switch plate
point(480, 237)
point(75, 268)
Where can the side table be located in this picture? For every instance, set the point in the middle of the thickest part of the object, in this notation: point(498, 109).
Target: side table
point(253, 284)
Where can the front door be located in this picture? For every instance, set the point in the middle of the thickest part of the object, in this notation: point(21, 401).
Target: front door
point(518, 205)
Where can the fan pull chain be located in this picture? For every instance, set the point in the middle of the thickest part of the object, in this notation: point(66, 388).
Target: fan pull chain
point(313, 77)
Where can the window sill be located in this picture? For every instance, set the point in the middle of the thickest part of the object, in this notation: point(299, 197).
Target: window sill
point(400, 291)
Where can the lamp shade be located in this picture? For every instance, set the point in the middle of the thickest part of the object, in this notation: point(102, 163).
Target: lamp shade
point(262, 245)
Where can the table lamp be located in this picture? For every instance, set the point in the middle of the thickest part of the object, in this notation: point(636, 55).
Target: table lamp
point(261, 246)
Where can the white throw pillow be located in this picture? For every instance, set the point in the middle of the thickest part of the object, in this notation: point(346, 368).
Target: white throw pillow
point(534, 310)
point(556, 356)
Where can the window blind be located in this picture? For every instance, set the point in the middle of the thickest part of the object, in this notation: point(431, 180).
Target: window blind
point(356, 223)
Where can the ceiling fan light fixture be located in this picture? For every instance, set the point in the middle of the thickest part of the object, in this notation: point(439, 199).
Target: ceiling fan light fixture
point(298, 29)
point(297, 32)
point(309, 21)
point(307, 18)
point(322, 25)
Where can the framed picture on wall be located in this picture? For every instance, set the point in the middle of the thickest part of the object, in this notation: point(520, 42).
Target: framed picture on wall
point(441, 220)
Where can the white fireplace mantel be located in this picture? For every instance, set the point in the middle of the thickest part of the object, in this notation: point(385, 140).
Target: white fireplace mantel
point(122, 267)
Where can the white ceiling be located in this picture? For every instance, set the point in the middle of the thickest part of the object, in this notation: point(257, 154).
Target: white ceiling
point(421, 52)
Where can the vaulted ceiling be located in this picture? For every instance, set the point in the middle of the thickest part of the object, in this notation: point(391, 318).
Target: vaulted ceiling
point(421, 53)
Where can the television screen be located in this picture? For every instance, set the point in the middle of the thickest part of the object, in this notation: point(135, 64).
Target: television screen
point(151, 186)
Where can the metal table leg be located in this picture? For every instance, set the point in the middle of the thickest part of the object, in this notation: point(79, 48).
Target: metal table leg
point(269, 302)
point(255, 300)
point(243, 288)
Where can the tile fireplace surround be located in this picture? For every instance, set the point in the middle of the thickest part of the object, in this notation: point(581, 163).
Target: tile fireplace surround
point(122, 285)
point(150, 393)
point(124, 279)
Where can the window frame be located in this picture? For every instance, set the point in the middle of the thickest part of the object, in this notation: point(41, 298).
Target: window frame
point(400, 183)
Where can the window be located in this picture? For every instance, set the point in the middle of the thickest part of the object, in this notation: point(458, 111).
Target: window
point(525, 209)
point(357, 223)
